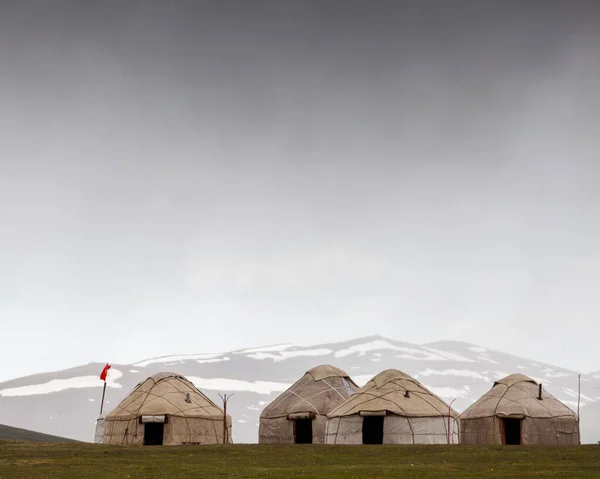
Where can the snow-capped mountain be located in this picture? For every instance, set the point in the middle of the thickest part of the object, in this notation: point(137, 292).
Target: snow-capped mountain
point(66, 403)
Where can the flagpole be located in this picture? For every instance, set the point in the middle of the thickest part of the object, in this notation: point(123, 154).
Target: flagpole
point(102, 402)
point(103, 375)
point(99, 435)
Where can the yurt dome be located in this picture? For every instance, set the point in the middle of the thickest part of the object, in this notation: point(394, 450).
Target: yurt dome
point(392, 408)
point(518, 410)
point(299, 414)
point(166, 409)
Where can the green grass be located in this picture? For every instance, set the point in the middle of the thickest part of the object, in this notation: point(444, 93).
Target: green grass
point(84, 461)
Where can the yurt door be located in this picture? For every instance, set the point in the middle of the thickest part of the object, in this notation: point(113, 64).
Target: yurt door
point(303, 431)
point(511, 431)
point(372, 429)
point(153, 433)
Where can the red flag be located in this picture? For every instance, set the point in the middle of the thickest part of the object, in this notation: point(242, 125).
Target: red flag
point(104, 371)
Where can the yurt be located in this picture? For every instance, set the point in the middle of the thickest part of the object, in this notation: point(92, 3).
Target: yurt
point(392, 408)
point(166, 409)
point(517, 410)
point(299, 414)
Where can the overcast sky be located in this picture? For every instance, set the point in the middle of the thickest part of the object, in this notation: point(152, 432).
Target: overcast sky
point(195, 176)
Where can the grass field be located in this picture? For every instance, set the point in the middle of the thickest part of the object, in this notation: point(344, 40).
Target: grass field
point(83, 461)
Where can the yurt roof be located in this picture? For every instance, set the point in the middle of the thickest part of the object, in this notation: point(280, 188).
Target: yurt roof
point(318, 391)
point(397, 393)
point(165, 393)
point(514, 379)
point(325, 371)
point(516, 395)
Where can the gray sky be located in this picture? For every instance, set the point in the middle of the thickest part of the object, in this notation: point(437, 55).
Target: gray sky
point(197, 176)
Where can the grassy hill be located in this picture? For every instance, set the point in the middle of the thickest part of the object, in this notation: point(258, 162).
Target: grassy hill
point(85, 461)
point(17, 434)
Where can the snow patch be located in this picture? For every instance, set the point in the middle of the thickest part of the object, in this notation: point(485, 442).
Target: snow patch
point(134, 371)
point(274, 348)
point(177, 359)
point(290, 354)
point(240, 420)
point(477, 349)
point(363, 348)
point(557, 375)
point(408, 352)
point(453, 372)
point(485, 358)
point(447, 392)
point(214, 360)
point(572, 393)
point(449, 355)
point(56, 385)
point(521, 367)
point(427, 357)
point(372, 346)
point(224, 384)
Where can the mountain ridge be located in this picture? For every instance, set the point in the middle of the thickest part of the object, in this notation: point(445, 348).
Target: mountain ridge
point(66, 402)
point(290, 346)
point(8, 433)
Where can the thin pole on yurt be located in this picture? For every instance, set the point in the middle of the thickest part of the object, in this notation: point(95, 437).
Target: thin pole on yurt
point(578, 394)
point(224, 398)
point(578, 401)
point(449, 411)
point(102, 402)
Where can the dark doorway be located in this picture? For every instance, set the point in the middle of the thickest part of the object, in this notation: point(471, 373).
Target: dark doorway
point(512, 431)
point(303, 431)
point(372, 430)
point(153, 433)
